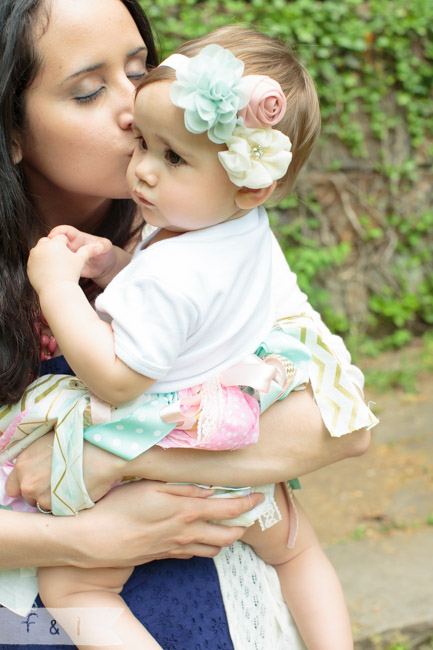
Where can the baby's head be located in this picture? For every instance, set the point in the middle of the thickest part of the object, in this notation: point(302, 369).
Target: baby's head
point(263, 55)
point(237, 96)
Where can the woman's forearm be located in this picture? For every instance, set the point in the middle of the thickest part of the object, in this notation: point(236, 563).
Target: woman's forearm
point(293, 441)
point(29, 539)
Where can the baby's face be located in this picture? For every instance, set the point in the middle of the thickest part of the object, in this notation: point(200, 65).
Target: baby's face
point(175, 176)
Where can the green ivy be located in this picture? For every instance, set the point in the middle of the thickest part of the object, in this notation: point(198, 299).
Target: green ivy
point(409, 299)
point(306, 257)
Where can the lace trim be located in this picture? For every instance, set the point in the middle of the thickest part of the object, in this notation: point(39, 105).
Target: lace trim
point(270, 516)
point(210, 415)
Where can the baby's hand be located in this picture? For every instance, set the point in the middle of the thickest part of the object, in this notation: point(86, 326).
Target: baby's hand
point(102, 256)
point(51, 262)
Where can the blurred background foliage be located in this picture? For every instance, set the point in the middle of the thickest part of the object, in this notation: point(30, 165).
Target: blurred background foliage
point(358, 229)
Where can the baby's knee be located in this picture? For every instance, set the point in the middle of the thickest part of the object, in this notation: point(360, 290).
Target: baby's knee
point(59, 586)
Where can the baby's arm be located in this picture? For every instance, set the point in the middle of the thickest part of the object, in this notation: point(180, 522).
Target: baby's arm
point(86, 341)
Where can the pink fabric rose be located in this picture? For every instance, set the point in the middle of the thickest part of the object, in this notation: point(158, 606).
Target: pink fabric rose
point(267, 103)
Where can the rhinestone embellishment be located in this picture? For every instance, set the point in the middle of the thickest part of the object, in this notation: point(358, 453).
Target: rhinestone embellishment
point(257, 152)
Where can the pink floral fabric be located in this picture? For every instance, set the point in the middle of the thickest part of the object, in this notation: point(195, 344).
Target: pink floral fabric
point(237, 425)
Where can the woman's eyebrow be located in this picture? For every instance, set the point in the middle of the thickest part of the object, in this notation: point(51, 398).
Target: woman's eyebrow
point(137, 50)
point(89, 68)
point(96, 66)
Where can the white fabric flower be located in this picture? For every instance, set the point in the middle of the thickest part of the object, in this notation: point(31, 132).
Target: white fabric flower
point(256, 157)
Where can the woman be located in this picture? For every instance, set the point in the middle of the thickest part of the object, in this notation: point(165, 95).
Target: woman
point(68, 71)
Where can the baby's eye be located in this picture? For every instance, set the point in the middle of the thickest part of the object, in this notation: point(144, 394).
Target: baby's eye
point(173, 158)
point(140, 143)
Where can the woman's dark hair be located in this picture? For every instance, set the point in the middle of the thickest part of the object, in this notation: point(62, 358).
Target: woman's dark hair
point(20, 224)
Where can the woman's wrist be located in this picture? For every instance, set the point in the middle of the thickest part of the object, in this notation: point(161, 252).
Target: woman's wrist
point(39, 540)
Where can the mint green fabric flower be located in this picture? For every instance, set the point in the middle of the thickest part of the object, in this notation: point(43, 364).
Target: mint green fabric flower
point(209, 89)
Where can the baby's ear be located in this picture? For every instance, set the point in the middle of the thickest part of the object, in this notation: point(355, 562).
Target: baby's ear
point(247, 198)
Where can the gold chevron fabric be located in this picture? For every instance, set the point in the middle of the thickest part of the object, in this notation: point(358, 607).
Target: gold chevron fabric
point(341, 406)
point(59, 403)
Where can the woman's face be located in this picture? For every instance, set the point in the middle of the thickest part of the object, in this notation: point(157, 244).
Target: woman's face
point(77, 140)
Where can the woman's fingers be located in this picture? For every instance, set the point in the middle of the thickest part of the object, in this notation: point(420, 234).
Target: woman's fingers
point(69, 231)
point(203, 539)
point(13, 485)
point(221, 508)
point(76, 238)
point(59, 238)
point(184, 489)
point(31, 477)
point(138, 522)
point(87, 251)
point(213, 509)
point(145, 521)
point(216, 535)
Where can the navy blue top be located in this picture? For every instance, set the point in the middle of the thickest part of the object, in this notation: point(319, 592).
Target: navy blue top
point(178, 601)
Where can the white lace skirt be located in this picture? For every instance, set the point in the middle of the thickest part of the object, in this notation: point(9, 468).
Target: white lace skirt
point(256, 612)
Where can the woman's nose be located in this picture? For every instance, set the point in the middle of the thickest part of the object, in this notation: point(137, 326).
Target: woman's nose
point(126, 118)
point(126, 105)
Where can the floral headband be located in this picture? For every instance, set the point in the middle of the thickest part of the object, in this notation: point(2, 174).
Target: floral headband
point(235, 110)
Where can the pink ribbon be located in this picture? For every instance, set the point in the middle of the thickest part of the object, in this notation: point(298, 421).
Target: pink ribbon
point(250, 371)
point(101, 411)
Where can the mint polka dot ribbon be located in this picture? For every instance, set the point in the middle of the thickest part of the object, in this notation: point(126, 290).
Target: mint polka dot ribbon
point(134, 434)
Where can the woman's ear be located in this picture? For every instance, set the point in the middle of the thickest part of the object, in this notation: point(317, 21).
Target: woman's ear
point(17, 154)
point(247, 198)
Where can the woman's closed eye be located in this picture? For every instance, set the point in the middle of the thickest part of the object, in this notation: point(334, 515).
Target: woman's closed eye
point(137, 76)
point(136, 68)
point(89, 97)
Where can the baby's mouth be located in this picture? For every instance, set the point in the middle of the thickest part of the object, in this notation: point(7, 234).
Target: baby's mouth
point(143, 200)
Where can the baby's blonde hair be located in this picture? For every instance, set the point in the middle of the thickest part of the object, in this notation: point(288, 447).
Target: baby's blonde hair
point(263, 55)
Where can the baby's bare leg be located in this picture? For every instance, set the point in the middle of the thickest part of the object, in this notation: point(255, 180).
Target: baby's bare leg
point(310, 586)
point(72, 587)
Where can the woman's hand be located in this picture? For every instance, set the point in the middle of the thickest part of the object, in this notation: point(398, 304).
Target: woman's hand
point(147, 520)
point(133, 524)
point(31, 477)
point(104, 260)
